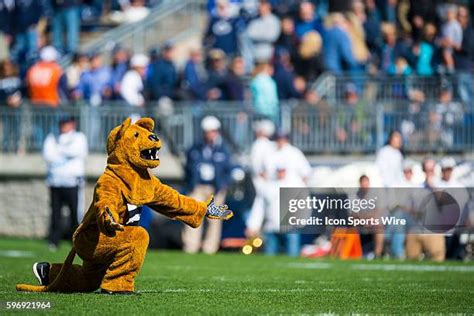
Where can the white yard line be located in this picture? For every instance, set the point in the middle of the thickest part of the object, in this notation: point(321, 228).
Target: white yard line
point(16, 254)
point(384, 267)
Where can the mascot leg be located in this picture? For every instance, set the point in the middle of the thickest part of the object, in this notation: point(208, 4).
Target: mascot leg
point(130, 249)
point(85, 278)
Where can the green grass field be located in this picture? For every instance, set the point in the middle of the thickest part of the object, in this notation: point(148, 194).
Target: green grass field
point(176, 283)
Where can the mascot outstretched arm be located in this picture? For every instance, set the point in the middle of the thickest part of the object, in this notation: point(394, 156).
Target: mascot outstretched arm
point(109, 240)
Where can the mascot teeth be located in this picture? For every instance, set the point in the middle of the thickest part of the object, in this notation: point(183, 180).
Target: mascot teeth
point(150, 154)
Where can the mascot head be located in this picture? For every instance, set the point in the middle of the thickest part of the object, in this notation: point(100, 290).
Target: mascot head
point(135, 145)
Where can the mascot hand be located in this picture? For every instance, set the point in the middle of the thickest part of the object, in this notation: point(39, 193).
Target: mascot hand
point(107, 223)
point(217, 211)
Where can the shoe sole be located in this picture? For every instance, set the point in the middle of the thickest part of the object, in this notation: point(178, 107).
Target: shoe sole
point(35, 272)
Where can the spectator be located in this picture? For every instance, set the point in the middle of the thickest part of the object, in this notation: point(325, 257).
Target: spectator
point(307, 20)
point(338, 55)
point(208, 170)
point(400, 68)
point(463, 57)
point(390, 11)
point(27, 15)
point(132, 85)
point(264, 92)
point(195, 76)
point(222, 30)
point(447, 180)
point(264, 31)
point(120, 65)
point(447, 116)
point(392, 48)
point(353, 118)
point(217, 73)
point(373, 20)
point(288, 39)
point(451, 37)
point(46, 82)
point(233, 84)
point(95, 84)
point(308, 62)
point(162, 79)
point(356, 32)
point(389, 161)
point(80, 64)
point(131, 11)
point(284, 76)
point(10, 97)
point(66, 21)
point(425, 242)
point(422, 58)
point(6, 31)
point(65, 157)
point(10, 85)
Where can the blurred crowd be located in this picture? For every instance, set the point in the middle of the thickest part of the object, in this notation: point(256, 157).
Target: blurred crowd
point(264, 51)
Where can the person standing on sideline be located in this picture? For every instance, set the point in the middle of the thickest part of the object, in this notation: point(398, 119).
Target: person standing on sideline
point(389, 161)
point(208, 171)
point(284, 166)
point(65, 157)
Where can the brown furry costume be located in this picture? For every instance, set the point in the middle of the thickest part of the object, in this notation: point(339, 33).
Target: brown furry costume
point(112, 250)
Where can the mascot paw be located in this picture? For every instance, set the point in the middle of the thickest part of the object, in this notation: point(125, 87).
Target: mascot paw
point(108, 224)
point(218, 211)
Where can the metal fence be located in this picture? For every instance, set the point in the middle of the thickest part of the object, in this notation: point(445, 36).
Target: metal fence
point(389, 88)
point(314, 130)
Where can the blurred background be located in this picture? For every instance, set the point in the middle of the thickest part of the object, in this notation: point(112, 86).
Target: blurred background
point(248, 96)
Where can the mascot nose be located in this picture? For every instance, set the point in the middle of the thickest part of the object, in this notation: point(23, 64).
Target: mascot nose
point(153, 138)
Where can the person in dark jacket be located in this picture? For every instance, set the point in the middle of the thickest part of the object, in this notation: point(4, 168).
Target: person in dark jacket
point(26, 15)
point(66, 17)
point(233, 85)
point(222, 30)
point(162, 78)
point(284, 76)
point(195, 77)
point(208, 171)
point(463, 56)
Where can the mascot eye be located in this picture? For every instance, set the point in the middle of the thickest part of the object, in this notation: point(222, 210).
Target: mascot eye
point(136, 134)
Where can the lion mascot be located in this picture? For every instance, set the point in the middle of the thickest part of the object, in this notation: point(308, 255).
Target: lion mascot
point(109, 240)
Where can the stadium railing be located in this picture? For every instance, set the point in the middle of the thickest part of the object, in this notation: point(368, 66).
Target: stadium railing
point(383, 88)
point(314, 129)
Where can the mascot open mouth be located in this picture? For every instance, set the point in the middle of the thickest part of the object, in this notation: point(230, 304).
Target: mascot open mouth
point(150, 154)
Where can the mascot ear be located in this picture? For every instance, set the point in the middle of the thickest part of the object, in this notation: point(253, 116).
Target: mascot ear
point(116, 134)
point(146, 123)
point(126, 124)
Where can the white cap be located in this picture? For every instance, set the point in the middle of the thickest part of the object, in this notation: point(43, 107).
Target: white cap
point(448, 163)
point(210, 123)
point(139, 60)
point(266, 127)
point(49, 53)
